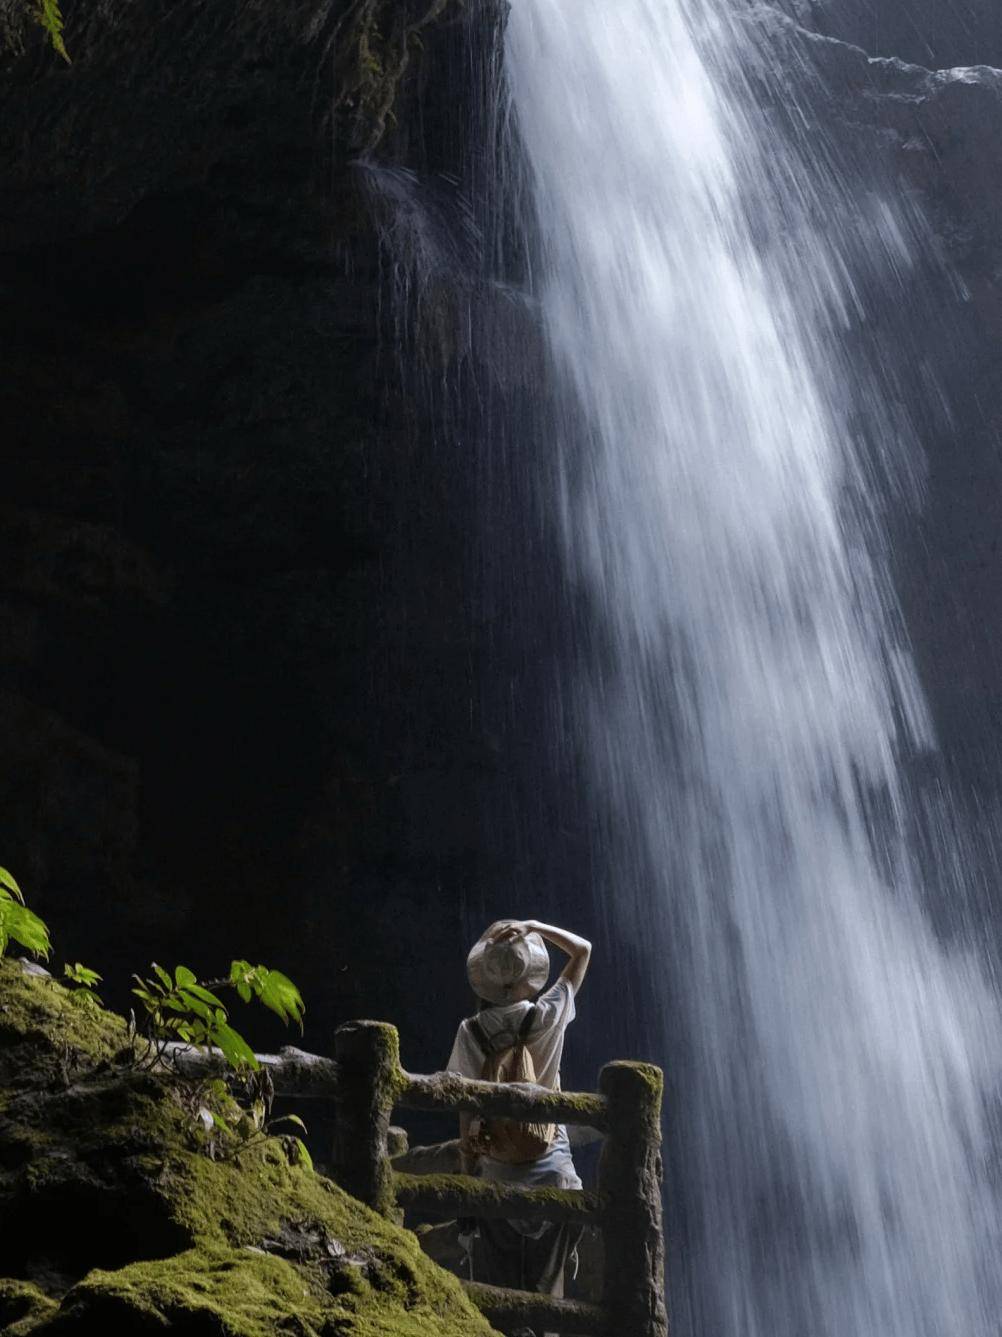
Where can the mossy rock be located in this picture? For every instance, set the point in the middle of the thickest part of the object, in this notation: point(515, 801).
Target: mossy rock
point(120, 1225)
point(23, 1305)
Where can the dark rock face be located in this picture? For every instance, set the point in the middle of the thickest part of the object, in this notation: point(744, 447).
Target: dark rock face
point(932, 145)
point(233, 562)
point(935, 33)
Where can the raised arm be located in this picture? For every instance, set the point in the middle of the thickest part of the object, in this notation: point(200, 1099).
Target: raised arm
point(578, 949)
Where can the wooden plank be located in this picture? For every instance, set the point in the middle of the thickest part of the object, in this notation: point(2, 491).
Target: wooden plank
point(369, 1077)
point(509, 1309)
point(447, 1091)
point(450, 1196)
point(630, 1179)
point(293, 1072)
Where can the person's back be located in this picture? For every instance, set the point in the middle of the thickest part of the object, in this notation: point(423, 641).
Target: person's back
point(507, 968)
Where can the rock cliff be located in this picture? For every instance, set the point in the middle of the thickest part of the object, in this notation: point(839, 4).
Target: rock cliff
point(229, 549)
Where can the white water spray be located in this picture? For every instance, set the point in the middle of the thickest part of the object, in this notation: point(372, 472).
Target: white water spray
point(753, 696)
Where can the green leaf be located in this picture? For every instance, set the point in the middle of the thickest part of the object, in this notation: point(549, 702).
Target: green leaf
point(235, 1048)
point(50, 17)
point(195, 1005)
point(8, 881)
point(164, 978)
point(303, 1157)
point(280, 995)
point(81, 975)
point(244, 990)
point(184, 976)
point(206, 995)
point(290, 1118)
point(24, 927)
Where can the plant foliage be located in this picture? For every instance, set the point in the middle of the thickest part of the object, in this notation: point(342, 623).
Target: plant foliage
point(226, 1123)
point(50, 16)
point(80, 975)
point(82, 983)
point(180, 1007)
point(227, 1114)
point(275, 990)
point(18, 923)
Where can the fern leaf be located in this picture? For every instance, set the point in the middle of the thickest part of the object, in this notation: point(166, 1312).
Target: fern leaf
point(50, 17)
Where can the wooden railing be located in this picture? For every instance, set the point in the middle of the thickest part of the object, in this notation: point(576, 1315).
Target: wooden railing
point(626, 1206)
point(366, 1083)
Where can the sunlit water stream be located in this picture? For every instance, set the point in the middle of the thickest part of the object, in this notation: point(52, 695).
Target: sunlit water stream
point(754, 694)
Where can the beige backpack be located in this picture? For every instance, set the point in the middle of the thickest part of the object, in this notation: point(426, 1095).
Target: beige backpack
point(508, 1060)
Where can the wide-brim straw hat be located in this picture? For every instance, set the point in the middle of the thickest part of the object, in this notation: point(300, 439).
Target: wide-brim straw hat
point(497, 971)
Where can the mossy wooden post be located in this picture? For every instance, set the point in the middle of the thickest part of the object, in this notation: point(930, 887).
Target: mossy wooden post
point(630, 1185)
point(369, 1079)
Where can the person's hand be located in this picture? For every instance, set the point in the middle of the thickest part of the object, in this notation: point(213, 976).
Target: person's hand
point(509, 930)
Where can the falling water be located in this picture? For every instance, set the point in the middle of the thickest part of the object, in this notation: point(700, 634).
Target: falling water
point(751, 696)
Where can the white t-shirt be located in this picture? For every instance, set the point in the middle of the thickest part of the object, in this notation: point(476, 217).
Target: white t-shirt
point(545, 1042)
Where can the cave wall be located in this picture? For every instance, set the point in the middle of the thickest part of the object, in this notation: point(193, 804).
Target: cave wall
point(234, 558)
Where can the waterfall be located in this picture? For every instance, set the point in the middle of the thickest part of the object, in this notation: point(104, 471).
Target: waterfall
point(748, 691)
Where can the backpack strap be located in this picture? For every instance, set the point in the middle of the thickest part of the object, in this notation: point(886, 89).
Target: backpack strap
point(479, 1036)
point(521, 1037)
point(526, 1026)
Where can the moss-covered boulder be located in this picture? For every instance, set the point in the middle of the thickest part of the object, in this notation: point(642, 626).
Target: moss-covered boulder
point(115, 1222)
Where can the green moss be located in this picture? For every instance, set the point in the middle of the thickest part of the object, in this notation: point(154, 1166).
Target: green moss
point(245, 1292)
point(634, 1092)
point(522, 1310)
point(449, 1091)
point(392, 1082)
point(585, 1103)
point(449, 1194)
point(374, 50)
point(37, 1010)
point(103, 1176)
point(219, 1290)
point(22, 1306)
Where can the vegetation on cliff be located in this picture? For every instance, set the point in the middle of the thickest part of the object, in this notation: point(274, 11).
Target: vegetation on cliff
point(122, 1225)
point(17, 17)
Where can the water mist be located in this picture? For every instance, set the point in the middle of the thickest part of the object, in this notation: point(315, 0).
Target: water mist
point(752, 694)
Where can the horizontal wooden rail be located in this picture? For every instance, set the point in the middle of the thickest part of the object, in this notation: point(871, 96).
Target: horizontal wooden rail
point(450, 1196)
point(447, 1091)
point(510, 1309)
point(292, 1071)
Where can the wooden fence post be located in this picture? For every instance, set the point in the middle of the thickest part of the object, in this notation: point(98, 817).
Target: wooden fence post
point(630, 1185)
point(367, 1054)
